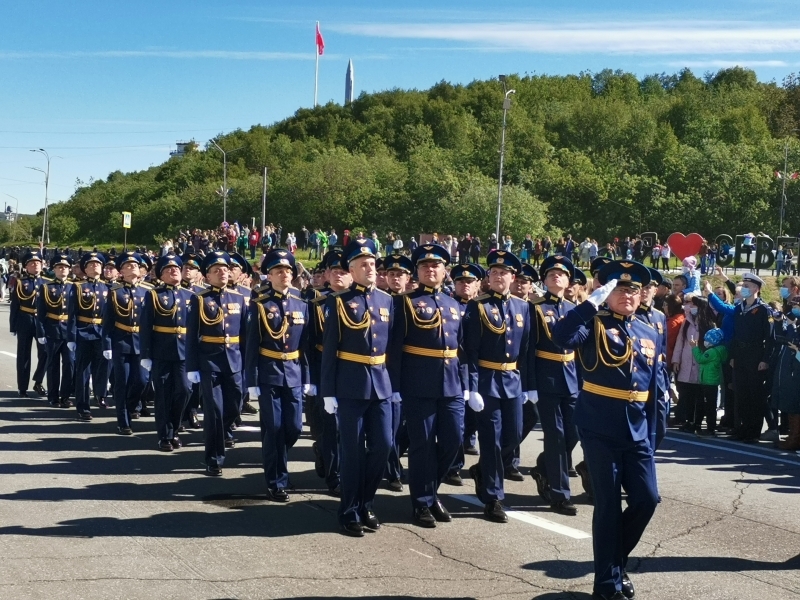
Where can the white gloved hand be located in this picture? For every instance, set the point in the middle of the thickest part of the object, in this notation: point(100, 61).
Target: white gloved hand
point(193, 376)
point(14, 333)
point(254, 392)
point(395, 398)
point(476, 401)
point(107, 354)
point(309, 389)
point(42, 341)
point(71, 346)
point(146, 363)
point(533, 396)
point(466, 395)
point(599, 296)
point(331, 404)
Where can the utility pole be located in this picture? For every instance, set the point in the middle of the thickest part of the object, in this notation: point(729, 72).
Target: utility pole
point(224, 177)
point(506, 106)
point(45, 224)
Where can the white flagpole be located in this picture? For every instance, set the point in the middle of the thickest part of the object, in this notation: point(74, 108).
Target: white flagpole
point(316, 69)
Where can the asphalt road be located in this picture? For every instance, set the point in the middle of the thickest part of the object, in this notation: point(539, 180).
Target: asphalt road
point(85, 513)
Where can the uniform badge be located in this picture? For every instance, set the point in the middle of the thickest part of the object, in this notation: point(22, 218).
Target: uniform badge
point(353, 305)
point(520, 321)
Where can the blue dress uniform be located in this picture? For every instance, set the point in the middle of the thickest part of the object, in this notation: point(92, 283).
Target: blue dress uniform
point(469, 426)
point(555, 378)
point(192, 406)
point(615, 414)
point(86, 305)
point(276, 362)
point(121, 321)
point(162, 340)
point(358, 322)
point(22, 323)
point(496, 336)
point(214, 343)
point(425, 369)
point(52, 324)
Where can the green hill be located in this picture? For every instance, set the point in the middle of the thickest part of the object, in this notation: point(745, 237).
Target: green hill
point(597, 155)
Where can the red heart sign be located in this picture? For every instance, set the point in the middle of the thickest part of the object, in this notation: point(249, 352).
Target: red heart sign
point(684, 246)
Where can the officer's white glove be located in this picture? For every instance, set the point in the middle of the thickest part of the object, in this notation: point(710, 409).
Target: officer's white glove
point(71, 346)
point(254, 392)
point(533, 396)
point(107, 354)
point(14, 333)
point(466, 395)
point(42, 341)
point(146, 363)
point(330, 405)
point(395, 398)
point(309, 389)
point(193, 376)
point(476, 401)
point(599, 296)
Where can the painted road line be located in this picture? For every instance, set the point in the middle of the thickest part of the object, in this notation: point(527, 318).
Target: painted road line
point(530, 519)
point(726, 448)
point(8, 354)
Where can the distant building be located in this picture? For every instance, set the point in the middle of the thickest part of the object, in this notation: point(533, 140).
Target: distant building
point(183, 148)
point(349, 83)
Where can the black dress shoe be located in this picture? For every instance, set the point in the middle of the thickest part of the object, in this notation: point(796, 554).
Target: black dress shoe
point(176, 442)
point(627, 587)
point(213, 471)
point(583, 473)
point(237, 421)
point(23, 394)
point(475, 473)
point(564, 507)
point(335, 491)
point(395, 485)
point(65, 403)
point(278, 495)
point(439, 512)
point(494, 512)
point(319, 464)
point(249, 409)
point(471, 450)
point(145, 413)
point(369, 520)
point(165, 446)
point(101, 402)
point(353, 529)
point(230, 443)
point(55, 404)
point(513, 474)
point(181, 429)
point(424, 518)
point(37, 387)
point(453, 479)
point(124, 431)
point(542, 487)
point(84, 415)
point(614, 596)
point(194, 423)
point(134, 415)
point(572, 472)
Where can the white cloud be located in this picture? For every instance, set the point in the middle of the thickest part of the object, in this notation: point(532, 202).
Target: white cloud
point(726, 64)
point(605, 38)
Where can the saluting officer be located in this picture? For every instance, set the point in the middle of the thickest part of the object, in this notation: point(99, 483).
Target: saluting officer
point(276, 367)
point(86, 304)
point(496, 335)
point(555, 387)
point(215, 337)
point(355, 382)
point(425, 368)
point(466, 282)
point(121, 319)
point(162, 340)
point(53, 330)
point(23, 299)
point(616, 415)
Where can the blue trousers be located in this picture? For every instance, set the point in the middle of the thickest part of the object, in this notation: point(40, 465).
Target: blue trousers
point(281, 418)
point(60, 370)
point(560, 438)
point(394, 470)
point(365, 438)
point(329, 445)
point(499, 433)
point(89, 360)
point(615, 465)
point(171, 395)
point(434, 431)
point(662, 415)
point(530, 417)
point(26, 336)
point(469, 429)
point(221, 394)
point(129, 381)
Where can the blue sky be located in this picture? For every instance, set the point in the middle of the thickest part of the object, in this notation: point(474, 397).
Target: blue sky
point(112, 85)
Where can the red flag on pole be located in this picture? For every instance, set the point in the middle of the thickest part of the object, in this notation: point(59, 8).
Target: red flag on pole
point(320, 42)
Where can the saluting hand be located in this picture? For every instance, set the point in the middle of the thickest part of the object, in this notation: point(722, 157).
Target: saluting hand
point(600, 295)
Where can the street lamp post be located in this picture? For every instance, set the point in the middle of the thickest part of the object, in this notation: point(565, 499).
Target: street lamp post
point(45, 228)
point(506, 106)
point(224, 177)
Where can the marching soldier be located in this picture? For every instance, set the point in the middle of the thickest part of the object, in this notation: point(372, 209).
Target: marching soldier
point(425, 369)
point(23, 324)
point(192, 280)
point(162, 340)
point(110, 273)
point(658, 321)
point(496, 335)
point(276, 367)
point(86, 306)
point(121, 320)
point(616, 416)
point(355, 384)
point(241, 271)
point(215, 327)
point(555, 388)
point(53, 330)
